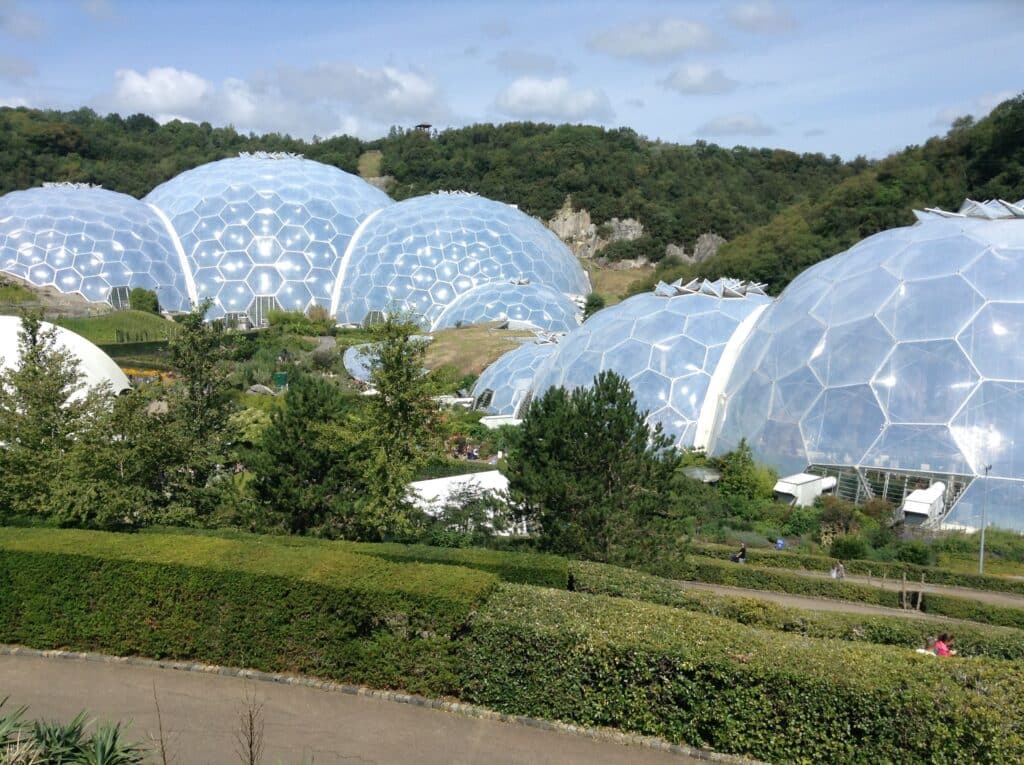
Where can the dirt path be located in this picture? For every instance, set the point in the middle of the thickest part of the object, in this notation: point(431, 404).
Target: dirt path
point(982, 596)
point(806, 602)
point(201, 716)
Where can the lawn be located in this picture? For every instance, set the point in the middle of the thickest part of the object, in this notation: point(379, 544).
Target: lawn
point(471, 349)
point(614, 284)
point(119, 327)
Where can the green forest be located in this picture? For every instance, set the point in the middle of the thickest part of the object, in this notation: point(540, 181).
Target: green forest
point(780, 211)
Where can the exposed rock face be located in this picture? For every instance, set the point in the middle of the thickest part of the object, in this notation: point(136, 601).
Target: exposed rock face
point(578, 231)
point(707, 245)
point(575, 228)
point(382, 182)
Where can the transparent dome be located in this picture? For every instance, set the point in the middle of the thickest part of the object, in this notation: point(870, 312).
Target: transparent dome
point(265, 226)
point(902, 353)
point(423, 253)
point(88, 241)
point(356, 359)
point(667, 344)
point(536, 304)
point(504, 386)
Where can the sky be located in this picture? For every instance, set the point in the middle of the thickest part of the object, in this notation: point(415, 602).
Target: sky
point(850, 78)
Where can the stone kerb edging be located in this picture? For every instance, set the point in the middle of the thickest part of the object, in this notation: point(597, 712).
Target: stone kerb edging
point(465, 710)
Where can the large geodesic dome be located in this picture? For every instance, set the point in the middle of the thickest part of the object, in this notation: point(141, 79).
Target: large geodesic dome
point(265, 231)
point(535, 304)
point(92, 242)
point(505, 386)
point(898, 361)
point(423, 253)
point(667, 344)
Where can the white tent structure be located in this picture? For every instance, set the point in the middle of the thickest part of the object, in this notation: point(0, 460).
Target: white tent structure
point(96, 366)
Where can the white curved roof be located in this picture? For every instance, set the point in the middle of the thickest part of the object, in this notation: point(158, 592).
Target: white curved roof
point(96, 366)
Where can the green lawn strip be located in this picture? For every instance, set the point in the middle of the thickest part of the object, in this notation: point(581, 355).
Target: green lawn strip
point(252, 603)
point(971, 639)
point(522, 567)
point(716, 571)
point(119, 327)
point(893, 570)
point(695, 678)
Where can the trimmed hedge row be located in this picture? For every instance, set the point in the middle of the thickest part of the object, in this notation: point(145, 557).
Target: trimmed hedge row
point(696, 678)
point(971, 639)
point(714, 571)
point(522, 568)
point(892, 570)
point(255, 604)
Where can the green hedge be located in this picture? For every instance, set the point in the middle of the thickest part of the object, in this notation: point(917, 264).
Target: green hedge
point(971, 639)
point(522, 568)
point(714, 571)
point(255, 603)
point(892, 570)
point(710, 682)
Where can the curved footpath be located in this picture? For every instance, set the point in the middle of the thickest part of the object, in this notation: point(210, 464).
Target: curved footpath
point(201, 713)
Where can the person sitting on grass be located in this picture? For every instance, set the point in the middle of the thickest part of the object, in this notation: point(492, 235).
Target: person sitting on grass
point(741, 556)
point(944, 645)
point(929, 646)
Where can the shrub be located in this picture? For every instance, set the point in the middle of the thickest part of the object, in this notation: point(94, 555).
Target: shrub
point(524, 568)
point(971, 639)
point(260, 603)
point(691, 677)
point(141, 299)
point(915, 552)
point(848, 547)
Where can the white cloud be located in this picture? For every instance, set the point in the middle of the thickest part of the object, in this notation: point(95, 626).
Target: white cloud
point(553, 99)
point(699, 78)
point(18, 23)
point(762, 16)
point(325, 100)
point(525, 62)
point(653, 39)
point(160, 90)
point(14, 69)
point(735, 125)
point(13, 101)
point(977, 108)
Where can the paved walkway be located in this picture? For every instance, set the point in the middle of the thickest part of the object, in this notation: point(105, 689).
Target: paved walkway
point(807, 602)
point(201, 718)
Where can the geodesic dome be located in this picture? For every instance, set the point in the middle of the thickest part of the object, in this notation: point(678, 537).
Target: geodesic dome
point(423, 253)
point(265, 231)
point(95, 366)
point(667, 344)
point(92, 242)
point(536, 304)
point(903, 353)
point(504, 387)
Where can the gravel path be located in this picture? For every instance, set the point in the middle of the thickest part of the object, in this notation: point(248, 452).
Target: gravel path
point(201, 711)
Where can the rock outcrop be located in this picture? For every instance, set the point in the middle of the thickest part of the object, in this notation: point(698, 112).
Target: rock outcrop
point(580, 233)
point(705, 247)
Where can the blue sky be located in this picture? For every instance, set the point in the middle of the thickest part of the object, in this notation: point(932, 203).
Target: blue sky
point(848, 78)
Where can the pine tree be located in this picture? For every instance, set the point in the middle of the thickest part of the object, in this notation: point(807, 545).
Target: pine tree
point(586, 468)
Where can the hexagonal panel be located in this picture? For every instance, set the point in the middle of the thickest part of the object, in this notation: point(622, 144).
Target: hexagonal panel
point(841, 425)
point(935, 257)
point(930, 309)
point(851, 353)
point(857, 298)
point(990, 428)
point(994, 339)
point(928, 448)
point(924, 382)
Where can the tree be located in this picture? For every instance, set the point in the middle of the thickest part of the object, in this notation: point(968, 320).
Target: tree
point(586, 468)
point(595, 303)
point(298, 474)
point(44, 407)
point(386, 441)
point(141, 299)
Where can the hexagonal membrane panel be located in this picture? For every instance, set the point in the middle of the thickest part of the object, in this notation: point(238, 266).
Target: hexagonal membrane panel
point(536, 304)
point(851, 353)
point(842, 425)
point(458, 242)
point(924, 382)
point(928, 448)
point(857, 298)
point(112, 238)
point(990, 428)
point(993, 341)
point(510, 378)
point(284, 213)
point(930, 309)
point(929, 258)
point(998, 274)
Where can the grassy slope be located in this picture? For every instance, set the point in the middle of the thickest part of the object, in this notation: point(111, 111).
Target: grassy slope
point(470, 349)
point(136, 326)
point(614, 284)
